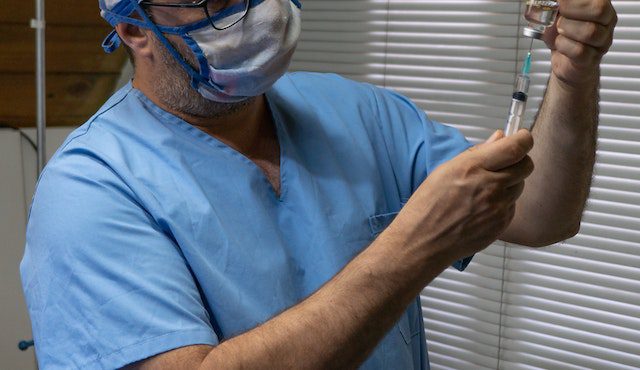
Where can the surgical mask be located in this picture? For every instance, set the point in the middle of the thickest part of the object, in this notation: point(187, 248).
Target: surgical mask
point(236, 63)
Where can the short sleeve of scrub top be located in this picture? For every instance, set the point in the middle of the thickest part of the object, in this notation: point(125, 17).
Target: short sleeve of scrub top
point(105, 282)
point(416, 144)
point(139, 239)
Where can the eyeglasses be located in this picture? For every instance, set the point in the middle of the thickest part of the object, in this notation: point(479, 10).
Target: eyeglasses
point(221, 14)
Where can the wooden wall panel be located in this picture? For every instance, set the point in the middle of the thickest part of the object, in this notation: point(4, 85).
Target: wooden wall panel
point(69, 50)
point(57, 12)
point(80, 76)
point(71, 98)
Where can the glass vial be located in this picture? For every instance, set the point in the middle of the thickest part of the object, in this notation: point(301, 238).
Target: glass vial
point(540, 14)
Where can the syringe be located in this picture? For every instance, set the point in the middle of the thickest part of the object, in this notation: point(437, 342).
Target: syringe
point(519, 99)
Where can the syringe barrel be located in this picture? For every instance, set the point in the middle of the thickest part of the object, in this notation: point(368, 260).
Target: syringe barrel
point(522, 84)
point(516, 115)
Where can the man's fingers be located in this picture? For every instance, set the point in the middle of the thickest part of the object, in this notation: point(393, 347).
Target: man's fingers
point(598, 11)
point(579, 53)
point(514, 192)
point(589, 33)
point(515, 174)
point(505, 152)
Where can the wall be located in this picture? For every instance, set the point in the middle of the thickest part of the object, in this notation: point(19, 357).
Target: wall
point(79, 79)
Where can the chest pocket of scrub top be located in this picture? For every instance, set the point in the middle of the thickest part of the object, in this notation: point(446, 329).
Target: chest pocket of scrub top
point(380, 222)
point(409, 323)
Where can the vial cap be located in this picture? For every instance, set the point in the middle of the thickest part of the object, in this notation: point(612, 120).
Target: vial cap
point(531, 32)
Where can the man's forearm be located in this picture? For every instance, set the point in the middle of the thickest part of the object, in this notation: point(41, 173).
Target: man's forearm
point(565, 135)
point(339, 325)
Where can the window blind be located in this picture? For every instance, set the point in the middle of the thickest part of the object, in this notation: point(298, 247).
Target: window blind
point(574, 305)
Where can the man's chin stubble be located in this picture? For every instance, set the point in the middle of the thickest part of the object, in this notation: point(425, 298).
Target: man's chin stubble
point(173, 88)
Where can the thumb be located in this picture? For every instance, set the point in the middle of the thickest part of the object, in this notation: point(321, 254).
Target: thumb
point(499, 134)
point(502, 153)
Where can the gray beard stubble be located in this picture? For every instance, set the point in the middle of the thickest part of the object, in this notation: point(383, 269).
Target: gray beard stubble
point(174, 89)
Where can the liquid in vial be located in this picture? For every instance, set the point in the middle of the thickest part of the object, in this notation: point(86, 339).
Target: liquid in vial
point(540, 14)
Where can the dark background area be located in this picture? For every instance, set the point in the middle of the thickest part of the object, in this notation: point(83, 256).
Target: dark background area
point(80, 76)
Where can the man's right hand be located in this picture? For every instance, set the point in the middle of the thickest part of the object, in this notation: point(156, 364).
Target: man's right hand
point(466, 203)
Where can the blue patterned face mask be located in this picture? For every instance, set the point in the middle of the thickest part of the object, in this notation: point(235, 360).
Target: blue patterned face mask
point(235, 63)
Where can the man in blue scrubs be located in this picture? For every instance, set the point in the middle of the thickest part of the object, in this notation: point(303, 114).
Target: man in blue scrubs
point(218, 213)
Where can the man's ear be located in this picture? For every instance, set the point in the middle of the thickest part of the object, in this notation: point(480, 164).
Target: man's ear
point(136, 38)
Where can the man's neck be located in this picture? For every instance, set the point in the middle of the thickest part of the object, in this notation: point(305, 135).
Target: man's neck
point(244, 129)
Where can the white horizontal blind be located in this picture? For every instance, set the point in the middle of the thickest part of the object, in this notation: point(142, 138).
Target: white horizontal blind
point(577, 305)
point(574, 305)
point(345, 37)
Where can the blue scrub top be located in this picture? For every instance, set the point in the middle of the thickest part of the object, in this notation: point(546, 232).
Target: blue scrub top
point(146, 234)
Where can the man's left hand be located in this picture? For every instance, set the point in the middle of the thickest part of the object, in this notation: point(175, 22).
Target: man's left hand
point(582, 34)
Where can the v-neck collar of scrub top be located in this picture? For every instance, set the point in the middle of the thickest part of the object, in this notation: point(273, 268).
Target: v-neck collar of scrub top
point(211, 141)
